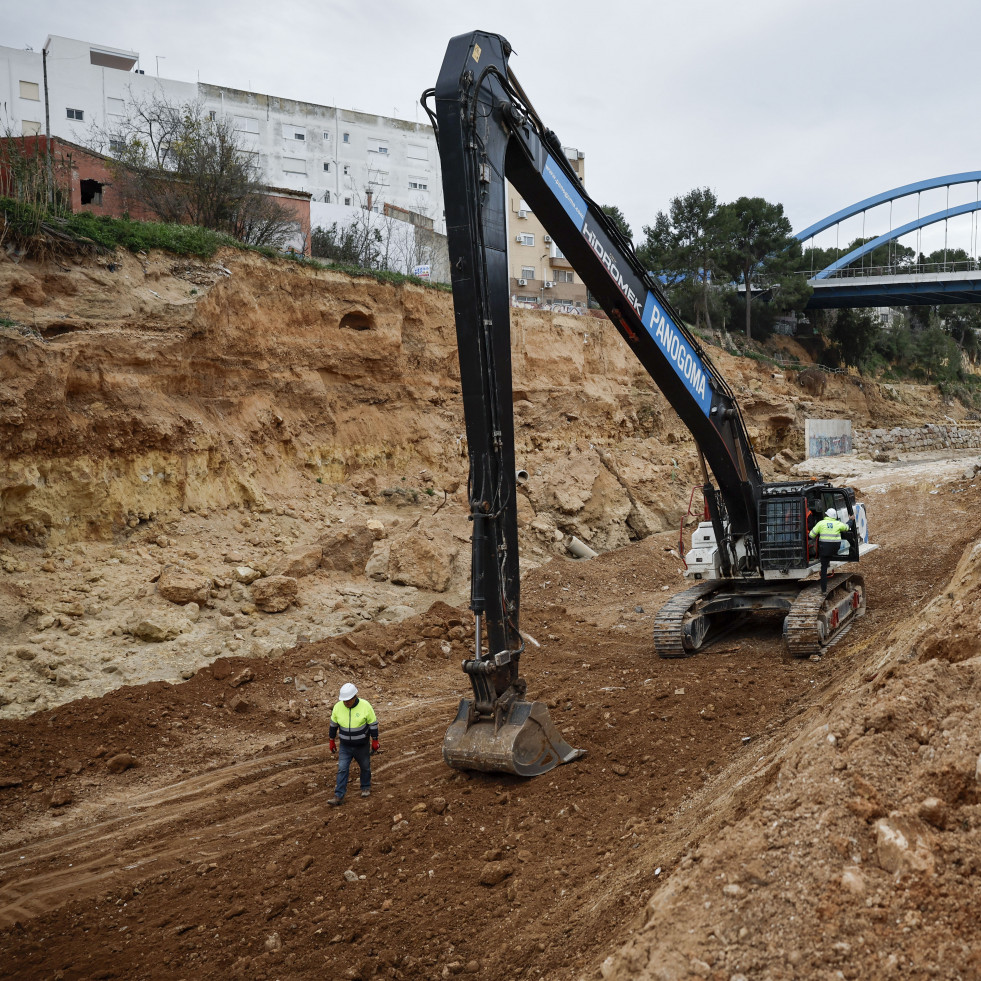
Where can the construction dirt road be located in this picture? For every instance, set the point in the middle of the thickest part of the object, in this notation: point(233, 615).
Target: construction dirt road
point(738, 815)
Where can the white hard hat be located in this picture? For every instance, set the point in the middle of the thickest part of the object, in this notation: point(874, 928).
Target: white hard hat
point(348, 691)
point(831, 514)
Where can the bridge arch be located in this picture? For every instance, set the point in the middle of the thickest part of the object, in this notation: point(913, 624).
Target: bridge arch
point(884, 197)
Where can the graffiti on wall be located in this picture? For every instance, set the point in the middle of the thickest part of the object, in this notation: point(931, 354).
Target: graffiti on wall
point(819, 444)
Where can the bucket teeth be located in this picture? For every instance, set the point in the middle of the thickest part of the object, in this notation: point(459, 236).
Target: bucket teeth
point(526, 744)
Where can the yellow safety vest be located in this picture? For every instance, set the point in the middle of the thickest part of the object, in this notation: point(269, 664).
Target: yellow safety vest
point(829, 530)
point(355, 724)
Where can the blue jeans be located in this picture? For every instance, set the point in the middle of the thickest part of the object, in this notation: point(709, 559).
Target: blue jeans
point(346, 753)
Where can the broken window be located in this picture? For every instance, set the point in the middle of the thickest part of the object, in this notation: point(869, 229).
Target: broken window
point(91, 191)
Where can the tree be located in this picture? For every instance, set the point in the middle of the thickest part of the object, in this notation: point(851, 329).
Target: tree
point(616, 216)
point(854, 332)
point(686, 249)
point(182, 165)
point(760, 245)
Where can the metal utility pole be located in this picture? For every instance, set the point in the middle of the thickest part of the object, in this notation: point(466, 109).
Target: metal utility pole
point(49, 173)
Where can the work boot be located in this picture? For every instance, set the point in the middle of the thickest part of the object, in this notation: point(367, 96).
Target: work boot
point(335, 801)
point(366, 792)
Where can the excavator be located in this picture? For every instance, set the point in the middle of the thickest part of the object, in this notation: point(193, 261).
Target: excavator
point(750, 553)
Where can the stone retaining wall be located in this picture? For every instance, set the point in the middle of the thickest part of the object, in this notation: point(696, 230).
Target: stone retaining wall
point(868, 442)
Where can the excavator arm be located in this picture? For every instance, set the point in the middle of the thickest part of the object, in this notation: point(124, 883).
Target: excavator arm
point(489, 134)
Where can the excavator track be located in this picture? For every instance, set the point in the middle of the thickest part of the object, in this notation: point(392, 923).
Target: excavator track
point(669, 624)
point(815, 622)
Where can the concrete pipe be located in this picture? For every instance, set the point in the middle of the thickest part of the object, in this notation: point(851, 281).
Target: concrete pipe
point(580, 549)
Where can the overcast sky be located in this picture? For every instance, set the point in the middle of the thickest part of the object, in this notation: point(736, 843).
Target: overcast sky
point(815, 106)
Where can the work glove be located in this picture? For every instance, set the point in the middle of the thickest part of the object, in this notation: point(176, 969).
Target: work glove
point(333, 746)
point(374, 745)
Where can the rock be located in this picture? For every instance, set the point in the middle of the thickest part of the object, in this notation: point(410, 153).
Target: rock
point(120, 762)
point(245, 574)
point(351, 876)
point(495, 873)
point(8, 780)
point(853, 881)
point(241, 678)
point(179, 585)
point(424, 562)
point(813, 381)
point(193, 612)
point(220, 669)
point(273, 942)
point(159, 627)
point(933, 811)
point(60, 798)
point(300, 562)
point(438, 805)
point(274, 594)
point(348, 550)
point(238, 704)
point(377, 566)
point(899, 846)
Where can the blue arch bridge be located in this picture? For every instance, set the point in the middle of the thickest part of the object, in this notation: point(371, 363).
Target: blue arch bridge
point(848, 282)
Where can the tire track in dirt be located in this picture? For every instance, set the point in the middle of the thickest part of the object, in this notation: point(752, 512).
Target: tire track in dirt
point(167, 818)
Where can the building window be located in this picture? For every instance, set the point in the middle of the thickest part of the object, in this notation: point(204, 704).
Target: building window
point(347, 170)
point(30, 128)
point(347, 201)
point(293, 165)
point(347, 137)
point(91, 191)
point(526, 239)
point(30, 90)
point(418, 185)
point(75, 113)
point(414, 152)
point(115, 107)
point(527, 272)
point(212, 115)
point(116, 146)
point(326, 197)
point(563, 276)
point(326, 135)
point(326, 167)
point(246, 124)
point(297, 135)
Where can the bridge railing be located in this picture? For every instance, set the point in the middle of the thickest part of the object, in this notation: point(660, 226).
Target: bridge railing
point(900, 269)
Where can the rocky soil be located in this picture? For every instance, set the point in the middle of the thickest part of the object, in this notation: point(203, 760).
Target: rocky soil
point(228, 487)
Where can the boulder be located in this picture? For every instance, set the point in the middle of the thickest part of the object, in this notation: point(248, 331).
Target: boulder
point(422, 561)
point(159, 627)
point(274, 593)
point(300, 562)
point(181, 586)
point(348, 550)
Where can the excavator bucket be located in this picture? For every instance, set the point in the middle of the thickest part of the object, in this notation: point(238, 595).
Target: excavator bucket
point(526, 743)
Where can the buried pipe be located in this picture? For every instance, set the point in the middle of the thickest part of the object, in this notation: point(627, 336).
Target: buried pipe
point(580, 549)
point(521, 476)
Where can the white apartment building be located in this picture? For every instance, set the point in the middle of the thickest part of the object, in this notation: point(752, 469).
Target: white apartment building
point(339, 156)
